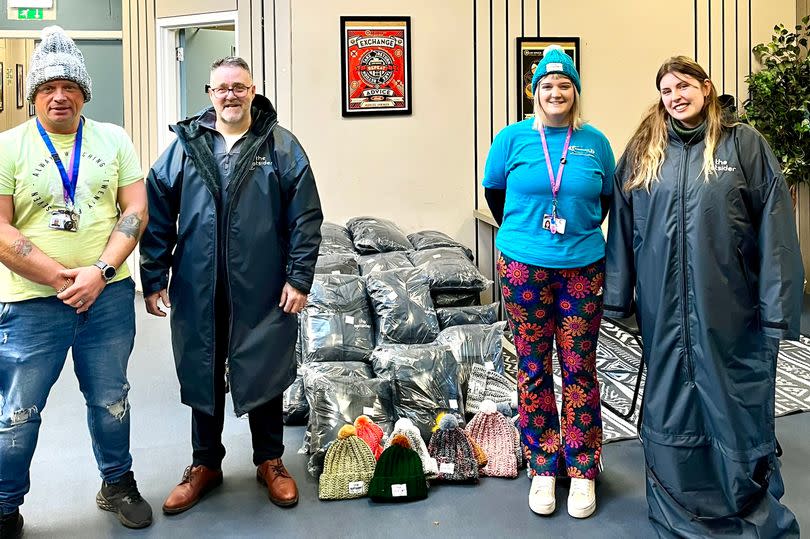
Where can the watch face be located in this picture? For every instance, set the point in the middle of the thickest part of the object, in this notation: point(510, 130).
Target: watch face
point(109, 272)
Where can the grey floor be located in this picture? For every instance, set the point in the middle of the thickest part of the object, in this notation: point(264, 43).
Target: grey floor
point(65, 480)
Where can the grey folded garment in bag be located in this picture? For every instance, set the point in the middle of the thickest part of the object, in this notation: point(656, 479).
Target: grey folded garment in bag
point(335, 239)
point(384, 262)
point(473, 314)
point(375, 235)
point(337, 313)
point(401, 301)
point(424, 380)
point(430, 239)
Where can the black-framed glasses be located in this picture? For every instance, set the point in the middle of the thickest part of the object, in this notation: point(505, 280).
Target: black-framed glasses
point(239, 90)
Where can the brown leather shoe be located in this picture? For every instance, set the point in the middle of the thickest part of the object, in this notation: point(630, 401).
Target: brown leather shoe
point(196, 482)
point(280, 485)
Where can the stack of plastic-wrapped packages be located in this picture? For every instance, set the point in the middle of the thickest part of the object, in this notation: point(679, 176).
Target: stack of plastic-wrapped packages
point(393, 329)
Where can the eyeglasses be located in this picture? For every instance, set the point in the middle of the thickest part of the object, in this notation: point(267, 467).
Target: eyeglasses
point(239, 90)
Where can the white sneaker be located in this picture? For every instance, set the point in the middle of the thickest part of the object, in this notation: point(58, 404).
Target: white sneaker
point(541, 494)
point(581, 498)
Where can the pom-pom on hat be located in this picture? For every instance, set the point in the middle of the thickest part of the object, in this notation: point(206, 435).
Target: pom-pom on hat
point(453, 452)
point(406, 427)
point(555, 60)
point(371, 433)
point(348, 467)
point(496, 436)
point(57, 58)
point(398, 476)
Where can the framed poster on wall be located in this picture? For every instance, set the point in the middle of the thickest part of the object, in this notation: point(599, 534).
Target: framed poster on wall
point(529, 53)
point(20, 87)
point(375, 61)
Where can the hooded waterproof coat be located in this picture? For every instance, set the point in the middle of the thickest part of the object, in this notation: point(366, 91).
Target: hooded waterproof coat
point(713, 272)
point(268, 232)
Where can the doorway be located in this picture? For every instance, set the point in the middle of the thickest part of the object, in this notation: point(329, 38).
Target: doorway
point(186, 48)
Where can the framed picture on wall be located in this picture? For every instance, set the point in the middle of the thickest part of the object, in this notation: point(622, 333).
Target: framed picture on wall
point(20, 87)
point(2, 87)
point(529, 53)
point(375, 61)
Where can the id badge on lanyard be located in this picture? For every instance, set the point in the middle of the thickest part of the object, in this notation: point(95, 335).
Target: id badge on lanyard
point(553, 222)
point(66, 219)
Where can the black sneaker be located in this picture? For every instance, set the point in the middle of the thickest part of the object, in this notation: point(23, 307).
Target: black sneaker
point(124, 499)
point(11, 525)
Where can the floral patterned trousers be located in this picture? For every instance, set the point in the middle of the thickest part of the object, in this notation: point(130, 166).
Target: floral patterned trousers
point(544, 305)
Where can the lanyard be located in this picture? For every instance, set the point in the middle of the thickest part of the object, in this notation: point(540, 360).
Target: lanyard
point(555, 184)
point(68, 183)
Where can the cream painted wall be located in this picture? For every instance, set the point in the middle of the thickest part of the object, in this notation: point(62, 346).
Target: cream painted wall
point(416, 170)
point(621, 50)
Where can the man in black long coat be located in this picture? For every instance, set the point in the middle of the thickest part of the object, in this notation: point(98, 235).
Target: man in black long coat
point(236, 223)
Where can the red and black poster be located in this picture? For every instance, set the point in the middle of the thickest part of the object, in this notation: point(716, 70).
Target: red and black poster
point(376, 65)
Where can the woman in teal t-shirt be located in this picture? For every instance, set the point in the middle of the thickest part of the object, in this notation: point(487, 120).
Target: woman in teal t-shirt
point(548, 184)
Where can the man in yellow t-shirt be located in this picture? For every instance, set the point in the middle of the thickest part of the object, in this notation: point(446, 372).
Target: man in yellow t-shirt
point(72, 208)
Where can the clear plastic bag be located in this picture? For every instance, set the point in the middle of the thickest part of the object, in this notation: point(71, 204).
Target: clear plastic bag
point(335, 239)
point(401, 301)
point(461, 316)
point(335, 401)
point(341, 263)
point(424, 380)
point(473, 344)
point(375, 235)
point(384, 262)
point(430, 239)
point(311, 371)
point(455, 299)
point(337, 313)
point(449, 269)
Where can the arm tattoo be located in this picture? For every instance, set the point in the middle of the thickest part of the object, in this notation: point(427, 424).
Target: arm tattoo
point(22, 247)
point(129, 225)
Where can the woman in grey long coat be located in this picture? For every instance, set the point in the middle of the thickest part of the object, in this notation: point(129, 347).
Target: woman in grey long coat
point(702, 247)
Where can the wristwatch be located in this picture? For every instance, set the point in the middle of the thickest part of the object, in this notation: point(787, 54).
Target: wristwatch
point(107, 271)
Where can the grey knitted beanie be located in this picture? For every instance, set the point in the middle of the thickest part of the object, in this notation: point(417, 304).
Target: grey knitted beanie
point(452, 450)
point(57, 58)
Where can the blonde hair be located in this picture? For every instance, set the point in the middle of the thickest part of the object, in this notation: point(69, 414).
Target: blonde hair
point(647, 147)
point(574, 115)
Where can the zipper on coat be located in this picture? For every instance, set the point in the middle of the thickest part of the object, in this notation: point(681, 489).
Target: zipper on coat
point(687, 338)
point(225, 229)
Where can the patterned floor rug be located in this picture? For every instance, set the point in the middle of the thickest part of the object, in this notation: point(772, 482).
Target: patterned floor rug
point(618, 357)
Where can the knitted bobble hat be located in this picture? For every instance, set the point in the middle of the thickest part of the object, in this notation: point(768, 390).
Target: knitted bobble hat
point(406, 427)
point(398, 476)
point(452, 450)
point(555, 60)
point(348, 467)
point(57, 58)
point(496, 436)
point(371, 433)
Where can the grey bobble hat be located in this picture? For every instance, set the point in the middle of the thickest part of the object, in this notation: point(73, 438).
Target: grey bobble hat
point(57, 58)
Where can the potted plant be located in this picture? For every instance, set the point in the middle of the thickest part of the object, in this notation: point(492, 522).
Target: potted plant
point(778, 105)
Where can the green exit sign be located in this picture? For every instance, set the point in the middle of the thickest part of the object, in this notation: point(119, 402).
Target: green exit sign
point(29, 13)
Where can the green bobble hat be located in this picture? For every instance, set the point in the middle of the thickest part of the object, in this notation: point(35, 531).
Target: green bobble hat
point(348, 467)
point(398, 476)
point(556, 61)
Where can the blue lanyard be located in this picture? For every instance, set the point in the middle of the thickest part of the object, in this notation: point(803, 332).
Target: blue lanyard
point(68, 183)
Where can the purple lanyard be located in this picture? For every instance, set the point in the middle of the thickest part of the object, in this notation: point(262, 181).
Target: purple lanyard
point(555, 184)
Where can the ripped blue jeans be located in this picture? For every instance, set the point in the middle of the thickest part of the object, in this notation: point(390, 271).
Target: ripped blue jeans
point(35, 336)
